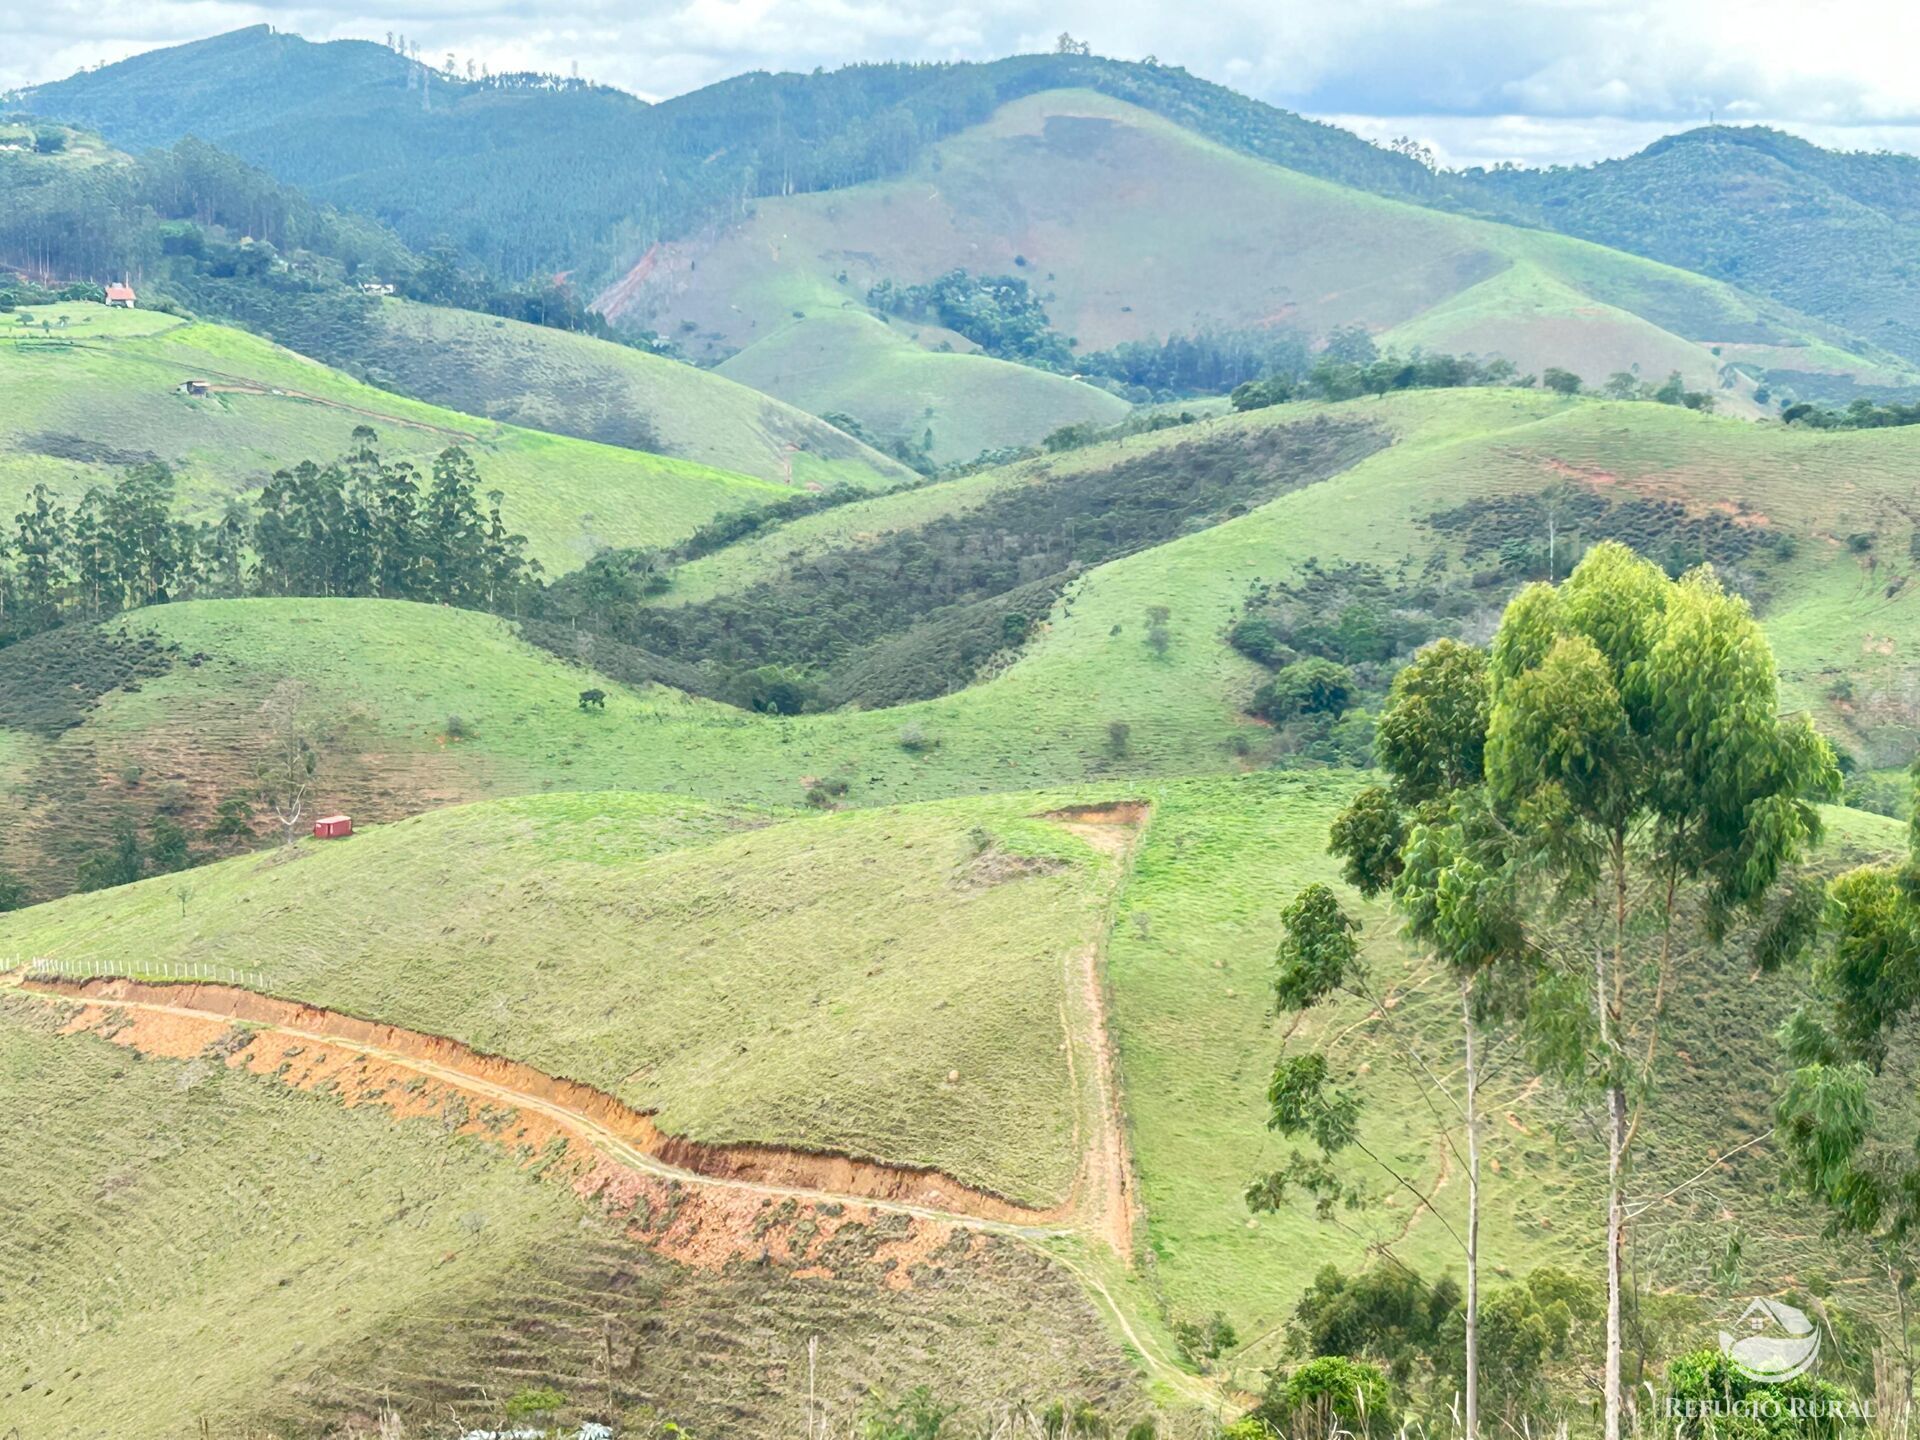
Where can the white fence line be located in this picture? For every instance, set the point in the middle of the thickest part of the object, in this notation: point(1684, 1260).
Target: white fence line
point(172, 971)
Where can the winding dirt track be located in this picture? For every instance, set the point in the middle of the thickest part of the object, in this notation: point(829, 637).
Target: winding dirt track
point(605, 1122)
point(702, 1204)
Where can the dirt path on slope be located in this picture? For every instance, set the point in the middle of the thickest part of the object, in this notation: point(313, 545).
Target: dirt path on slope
point(592, 1113)
point(1106, 1199)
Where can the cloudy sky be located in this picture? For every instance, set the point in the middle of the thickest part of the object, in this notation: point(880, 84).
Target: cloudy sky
point(1478, 80)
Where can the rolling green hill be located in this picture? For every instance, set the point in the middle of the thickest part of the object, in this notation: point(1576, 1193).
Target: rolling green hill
point(552, 380)
point(95, 390)
point(888, 378)
point(1130, 227)
point(1044, 717)
point(848, 906)
point(332, 1247)
point(883, 983)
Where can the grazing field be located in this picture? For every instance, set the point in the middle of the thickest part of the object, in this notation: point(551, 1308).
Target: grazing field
point(887, 983)
point(101, 394)
point(401, 673)
point(553, 380)
point(888, 376)
point(1130, 227)
point(886, 979)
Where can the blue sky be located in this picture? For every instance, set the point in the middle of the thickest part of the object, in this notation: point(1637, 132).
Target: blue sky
point(1554, 80)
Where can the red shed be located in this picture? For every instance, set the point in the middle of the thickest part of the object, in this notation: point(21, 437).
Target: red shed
point(333, 827)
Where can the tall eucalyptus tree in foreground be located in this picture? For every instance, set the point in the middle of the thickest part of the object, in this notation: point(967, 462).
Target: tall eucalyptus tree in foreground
point(1571, 816)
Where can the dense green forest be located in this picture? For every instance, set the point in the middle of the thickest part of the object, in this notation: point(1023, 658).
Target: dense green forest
point(1006, 319)
point(175, 214)
point(199, 230)
point(527, 176)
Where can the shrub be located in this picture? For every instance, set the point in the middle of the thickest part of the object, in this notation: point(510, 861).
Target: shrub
point(167, 846)
point(233, 820)
point(1206, 1339)
point(13, 894)
point(117, 863)
point(822, 794)
point(1158, 636)
point(595, 699)
point(776, 689)
point(1741, 1408)
point(917, 1416)
point(535, 1402)
point(1307, 687)
point(1329, 1389)
point(916, 740)
point(1561, 382)
point(1060, 1420)
point(1119, 736)
point(457, 728)
point(1257, 638)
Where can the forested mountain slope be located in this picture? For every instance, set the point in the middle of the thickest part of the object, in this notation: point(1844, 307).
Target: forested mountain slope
point(529, 174)
point(1833, 234)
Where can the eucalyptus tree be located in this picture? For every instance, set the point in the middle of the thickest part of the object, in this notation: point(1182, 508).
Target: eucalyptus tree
point(1623, 794)
point(1649, 795)
point(1834, 1125)
point(1421, 837)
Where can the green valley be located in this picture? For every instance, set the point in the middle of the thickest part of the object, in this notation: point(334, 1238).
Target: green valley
point(993, 749)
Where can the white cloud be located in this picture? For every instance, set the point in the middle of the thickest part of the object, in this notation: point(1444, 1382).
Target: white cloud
point(1539, 80)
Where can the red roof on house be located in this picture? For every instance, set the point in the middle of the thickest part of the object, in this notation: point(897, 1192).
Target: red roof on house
point(120, 292)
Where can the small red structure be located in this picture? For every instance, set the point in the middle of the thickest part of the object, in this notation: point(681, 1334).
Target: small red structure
point(333, 827)
point(121, 295)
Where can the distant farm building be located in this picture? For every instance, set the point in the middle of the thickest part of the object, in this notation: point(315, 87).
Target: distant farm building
point(191, 387)
point(333, 827)
point(121, 295)
point(375, 287)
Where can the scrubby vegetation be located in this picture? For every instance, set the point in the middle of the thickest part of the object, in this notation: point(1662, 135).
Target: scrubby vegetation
point(917, 613)
point(212, 234)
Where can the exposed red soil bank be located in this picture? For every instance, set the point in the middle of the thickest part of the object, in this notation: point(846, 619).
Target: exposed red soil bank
point(365, 1061)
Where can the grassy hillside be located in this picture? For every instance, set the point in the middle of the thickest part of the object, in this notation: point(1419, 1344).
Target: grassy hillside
point(885, 983)
point(332, 1247)
point(571, 384)
point(889, 379)
point(1187, 979)
point(1190, 969)
point(700, 924)
point(1130, 227)
point(98, 392)
point(186, 734)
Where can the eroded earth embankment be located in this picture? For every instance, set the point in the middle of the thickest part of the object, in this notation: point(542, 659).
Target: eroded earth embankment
point(700, 1204)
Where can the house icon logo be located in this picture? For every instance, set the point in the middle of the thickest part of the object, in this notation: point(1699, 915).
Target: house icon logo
point(1772, 1343)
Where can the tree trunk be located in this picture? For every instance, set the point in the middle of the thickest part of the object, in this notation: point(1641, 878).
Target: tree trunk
point(1616, 1240)
point(1473, 1217)
point(1609, 1015)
